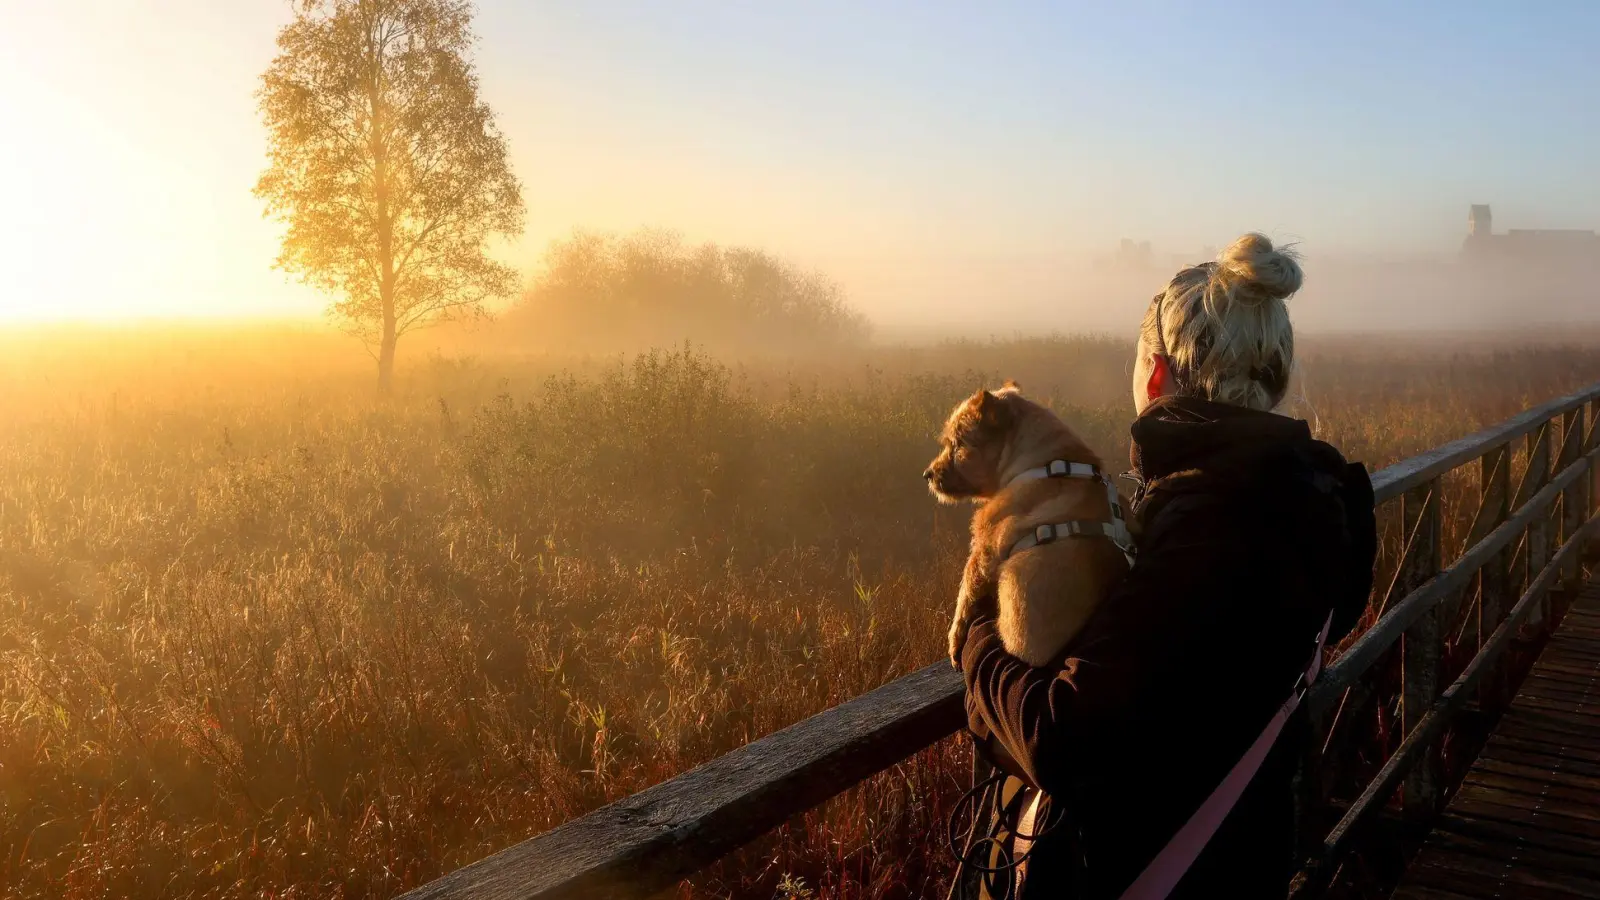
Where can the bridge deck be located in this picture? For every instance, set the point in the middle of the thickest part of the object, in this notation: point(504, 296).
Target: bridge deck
point(1526, 821)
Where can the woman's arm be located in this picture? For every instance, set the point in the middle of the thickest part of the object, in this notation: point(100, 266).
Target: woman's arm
point(1056, 721)
point(1221, 606)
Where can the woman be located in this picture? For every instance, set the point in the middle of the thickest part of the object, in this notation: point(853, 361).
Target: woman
point(1252, 533)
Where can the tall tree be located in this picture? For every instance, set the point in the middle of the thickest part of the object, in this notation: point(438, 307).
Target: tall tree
point(386, 165)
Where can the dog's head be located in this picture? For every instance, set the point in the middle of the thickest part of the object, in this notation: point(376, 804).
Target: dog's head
point(974, 441)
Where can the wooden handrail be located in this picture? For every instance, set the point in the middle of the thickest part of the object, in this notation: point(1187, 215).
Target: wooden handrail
point(654, 838)
point(650, 840)
point(1372, 643)
point(1391, 482)
point(1434, 720)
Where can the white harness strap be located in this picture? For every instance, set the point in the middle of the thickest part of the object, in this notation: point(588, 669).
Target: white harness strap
point(1115, 530)
point(1060, 468)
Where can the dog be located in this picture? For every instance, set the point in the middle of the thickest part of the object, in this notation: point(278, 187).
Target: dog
point(1048, 536)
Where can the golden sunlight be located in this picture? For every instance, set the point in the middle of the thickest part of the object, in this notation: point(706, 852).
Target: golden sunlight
point(126, 176)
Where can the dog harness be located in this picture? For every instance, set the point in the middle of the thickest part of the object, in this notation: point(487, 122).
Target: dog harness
point(1115, 531)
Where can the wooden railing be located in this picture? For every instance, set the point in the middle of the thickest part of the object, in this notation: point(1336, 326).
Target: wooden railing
point(1527, 540)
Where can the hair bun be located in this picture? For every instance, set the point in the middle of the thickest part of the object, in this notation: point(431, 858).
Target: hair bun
point(1260, 271)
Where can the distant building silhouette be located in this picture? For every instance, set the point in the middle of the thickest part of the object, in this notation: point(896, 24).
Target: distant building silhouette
point(1135, 255)
point(1480, 222)
point(1530, 245)
point(1141, 256)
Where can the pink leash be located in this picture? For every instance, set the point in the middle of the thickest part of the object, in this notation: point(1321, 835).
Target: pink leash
point(1168, 868)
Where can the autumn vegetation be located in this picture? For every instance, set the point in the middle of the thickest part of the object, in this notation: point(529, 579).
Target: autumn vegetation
point(267, 634)
point(598, 292)
point(261, 636)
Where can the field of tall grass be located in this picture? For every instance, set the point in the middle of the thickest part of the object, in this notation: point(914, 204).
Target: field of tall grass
point(263, 635)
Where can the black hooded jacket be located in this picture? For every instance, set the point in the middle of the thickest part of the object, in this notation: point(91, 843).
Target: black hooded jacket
point(1250, 533)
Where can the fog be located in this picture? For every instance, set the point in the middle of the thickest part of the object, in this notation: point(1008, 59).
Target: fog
point(949, 171)
point(1349, 292)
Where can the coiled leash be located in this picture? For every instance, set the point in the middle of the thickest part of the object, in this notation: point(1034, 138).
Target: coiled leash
point(1115, 530)
point(1005, 812)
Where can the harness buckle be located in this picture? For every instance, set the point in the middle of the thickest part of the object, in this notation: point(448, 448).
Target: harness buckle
point(1057, 468)
point(1044, 534)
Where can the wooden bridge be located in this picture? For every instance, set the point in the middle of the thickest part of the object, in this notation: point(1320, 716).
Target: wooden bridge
point(1450, 630)
point(1526, 822)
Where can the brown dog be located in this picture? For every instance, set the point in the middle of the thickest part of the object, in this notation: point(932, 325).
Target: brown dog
point(1048, 535)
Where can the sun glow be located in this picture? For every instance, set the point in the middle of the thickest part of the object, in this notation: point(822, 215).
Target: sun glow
point(124, 194)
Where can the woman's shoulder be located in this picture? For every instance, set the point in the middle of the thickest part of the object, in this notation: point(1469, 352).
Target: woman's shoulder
point(1302, 483)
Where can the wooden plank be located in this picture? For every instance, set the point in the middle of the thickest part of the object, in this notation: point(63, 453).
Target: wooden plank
point(1422, 468)
point(1555, 691)
point(1366, 649)
point(1567, 682)
point(655, 838)
point(1591, 442)
point(1548, 774)
point(1573, 512)
point(1494, 846)
point(1526, 821)
point(1508, 809)
point(1550, 728)
point(1540, 700)
point(1477, 877)
point(1525, 734)
point(1534, 479)
point(1531, 752)
point(1433, 722)
point(1421, 892)
point(1507, 825)
point(1429, 892)
point(1503, 775)
point(1423, 647)
point(1564, 679)
point(1571, 667)
point(1532, 809)
point(1494, 579)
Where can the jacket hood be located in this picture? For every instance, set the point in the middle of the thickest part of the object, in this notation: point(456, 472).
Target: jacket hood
point(1302, 490)
point(1175, 434)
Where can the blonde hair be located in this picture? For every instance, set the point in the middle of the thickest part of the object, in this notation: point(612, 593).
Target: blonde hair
point(1225, 327)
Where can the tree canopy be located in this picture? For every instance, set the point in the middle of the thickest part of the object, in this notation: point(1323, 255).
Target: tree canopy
point(386, 166)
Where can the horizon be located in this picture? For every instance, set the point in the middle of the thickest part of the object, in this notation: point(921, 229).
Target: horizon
point(923, 159)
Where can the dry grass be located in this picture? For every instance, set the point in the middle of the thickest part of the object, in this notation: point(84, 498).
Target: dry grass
point(260, 636)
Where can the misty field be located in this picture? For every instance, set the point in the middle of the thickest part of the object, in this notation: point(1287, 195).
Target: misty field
point(262, 635)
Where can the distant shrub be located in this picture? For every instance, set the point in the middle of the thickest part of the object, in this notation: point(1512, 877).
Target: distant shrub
point(600, 292)
point(675, 446)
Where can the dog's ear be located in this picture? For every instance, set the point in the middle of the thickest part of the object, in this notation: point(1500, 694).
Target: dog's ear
point(992, 410)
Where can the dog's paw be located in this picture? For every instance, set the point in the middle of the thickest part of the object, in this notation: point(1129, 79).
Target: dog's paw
point(958, 637)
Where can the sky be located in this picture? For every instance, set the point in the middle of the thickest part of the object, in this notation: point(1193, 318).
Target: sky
point(937, 159)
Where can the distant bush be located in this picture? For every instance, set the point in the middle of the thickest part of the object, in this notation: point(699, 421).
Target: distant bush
point(602, 292)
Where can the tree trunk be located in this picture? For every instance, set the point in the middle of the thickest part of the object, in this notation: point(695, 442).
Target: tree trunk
point(386, 360)
point(380, 184)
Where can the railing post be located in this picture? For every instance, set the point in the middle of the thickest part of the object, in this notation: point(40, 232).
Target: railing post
point(1572, 502)
point(1536, 543)
point(981, 770)
point(1494, 579)
point(1591, 441)
point(1423, 642)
